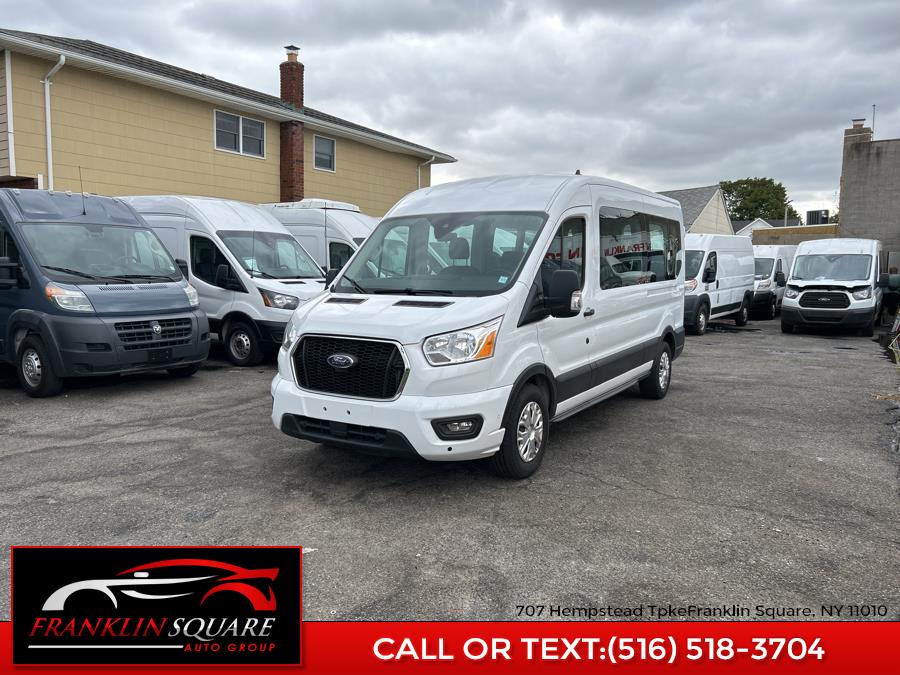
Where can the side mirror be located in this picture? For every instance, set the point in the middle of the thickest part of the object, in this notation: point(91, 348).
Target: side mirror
point(330, 276)
point(709, 276)
point(564, 299)
point(780, 279)
point(225, 279)
point(183, 266)
point(884, 281)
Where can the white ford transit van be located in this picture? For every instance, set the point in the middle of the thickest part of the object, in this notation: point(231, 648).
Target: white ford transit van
point(834, 282)
point(526, 323)
point(249, 271)
point(772, 266)
point(719, 279)
point(331, 231)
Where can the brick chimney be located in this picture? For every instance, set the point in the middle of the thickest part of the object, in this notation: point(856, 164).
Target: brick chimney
point(292, 131)
point(857, 133)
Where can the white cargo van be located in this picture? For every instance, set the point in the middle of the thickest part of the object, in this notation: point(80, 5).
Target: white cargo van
point(772, 265)
point(331, 231)
point(526, 323)
point(834, 282)
point(249, 271)
point(718, 279)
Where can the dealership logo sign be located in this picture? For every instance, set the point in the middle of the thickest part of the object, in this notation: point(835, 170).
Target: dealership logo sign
point(118, 605)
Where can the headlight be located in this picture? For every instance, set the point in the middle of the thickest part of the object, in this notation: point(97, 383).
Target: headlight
point(765, 283)
point(468, 344)
point(690, 284)
point(68, 298)
point(290, 336)
point(791, 292)
point(191, 293)
point(863, 293)
point(278, 300)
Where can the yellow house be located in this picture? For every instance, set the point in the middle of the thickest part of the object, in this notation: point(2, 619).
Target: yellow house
point(77, 115)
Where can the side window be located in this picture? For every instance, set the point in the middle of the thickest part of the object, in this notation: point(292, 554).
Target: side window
point(566, 252)
point(338, 254)
point(390, 259)
point(624, 248)
point(8, 247)
point(711, 265)
point(205, 259)
point(665, 242)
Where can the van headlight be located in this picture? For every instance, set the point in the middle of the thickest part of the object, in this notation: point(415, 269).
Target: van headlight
point(469, 344)
point(68, 298)
point(191, 293)
point(863, 293)
point(765, 283)
point(278, 300)
point(690, 285)
point(791, 292)
point(290, 335)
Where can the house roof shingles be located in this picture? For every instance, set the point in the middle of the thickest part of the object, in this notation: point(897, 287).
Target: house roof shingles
point(693, 200)
point(120, 57)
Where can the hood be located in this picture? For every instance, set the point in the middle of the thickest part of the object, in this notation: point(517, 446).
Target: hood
point(305, 289)
point(409, 322)
point(157, 298)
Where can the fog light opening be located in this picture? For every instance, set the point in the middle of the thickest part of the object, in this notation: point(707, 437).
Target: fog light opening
point(457, 427)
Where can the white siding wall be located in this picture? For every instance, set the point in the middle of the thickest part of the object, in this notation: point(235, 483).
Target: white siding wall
point(713, 219)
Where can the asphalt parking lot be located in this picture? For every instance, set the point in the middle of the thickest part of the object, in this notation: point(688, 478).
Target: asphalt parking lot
point(766, 476)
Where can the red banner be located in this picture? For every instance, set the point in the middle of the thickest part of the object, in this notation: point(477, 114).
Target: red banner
point(589, 647)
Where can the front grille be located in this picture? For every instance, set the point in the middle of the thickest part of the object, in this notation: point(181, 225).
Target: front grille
point(140, 335)
point(824, 299)
point(377, 373)
point(341, 431)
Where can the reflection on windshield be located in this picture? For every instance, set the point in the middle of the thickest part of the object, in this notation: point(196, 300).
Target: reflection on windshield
point(692, 262)
point(271, 255)
point(105, 252)
point(447, 254)
point(764, 267)
point(834, 267)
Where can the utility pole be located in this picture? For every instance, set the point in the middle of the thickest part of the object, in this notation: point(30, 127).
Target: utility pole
point(873, 121)
point(788, 201)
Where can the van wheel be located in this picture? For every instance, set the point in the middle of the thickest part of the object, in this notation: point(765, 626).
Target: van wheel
point(743, 315)
point(869, 329)
point(527, 426)
point(656, 384)
point(184, 371)
point(242, 345)
point(35, 370)
point(786, 327)
point(701, 319)
point(773, 309)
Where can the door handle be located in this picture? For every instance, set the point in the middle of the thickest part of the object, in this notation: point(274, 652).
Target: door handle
point(717, 283)
point(589, 311)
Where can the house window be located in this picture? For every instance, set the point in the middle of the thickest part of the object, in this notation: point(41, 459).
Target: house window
point(324, 153)
point(240, 134)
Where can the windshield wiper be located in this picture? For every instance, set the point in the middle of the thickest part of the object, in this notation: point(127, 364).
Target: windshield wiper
point(144, 276)
point(410, 291)
point(261, 274)
point(66, 270)
point(352, 282)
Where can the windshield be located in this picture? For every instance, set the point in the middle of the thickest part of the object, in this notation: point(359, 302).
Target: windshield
point(271, 255)
point(764, 267)
point(832, 266)
point(79, 251)
point(692, 262)
point(444, 254)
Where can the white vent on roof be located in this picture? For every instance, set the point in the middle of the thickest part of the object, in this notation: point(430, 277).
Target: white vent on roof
point(318, 204)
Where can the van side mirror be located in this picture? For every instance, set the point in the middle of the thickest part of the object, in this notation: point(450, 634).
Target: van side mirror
point(564, 298)
point(780, 279)
point(884, 281)
point(709, 276)
point(225, 279)
point(9, 274)
point(330, 276)
point(183, 266)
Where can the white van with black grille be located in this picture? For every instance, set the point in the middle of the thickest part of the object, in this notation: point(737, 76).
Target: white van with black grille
point(478, 312)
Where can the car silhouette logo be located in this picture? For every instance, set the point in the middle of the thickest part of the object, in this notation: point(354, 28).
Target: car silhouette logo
point(156, 328)
point(341, 361)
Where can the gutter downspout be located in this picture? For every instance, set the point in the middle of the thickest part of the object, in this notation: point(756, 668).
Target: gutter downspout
point(419, 171)
point(10, 133)
point(47, 82)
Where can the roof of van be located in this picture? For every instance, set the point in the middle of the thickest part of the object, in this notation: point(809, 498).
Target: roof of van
point(838, 246)
point(506, 193)
point(44, 205)
point(704, 241)
point(222, 214)
point(312, 203)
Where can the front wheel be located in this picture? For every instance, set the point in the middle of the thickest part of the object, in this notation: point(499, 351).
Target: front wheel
point(35, 371)
point(743, 315)
point(701, 319)
point(526, 425)
point(242, 344)
point(656, 384)
point(773, 309)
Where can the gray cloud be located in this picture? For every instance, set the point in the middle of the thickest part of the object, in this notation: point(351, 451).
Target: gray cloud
point(670, 94)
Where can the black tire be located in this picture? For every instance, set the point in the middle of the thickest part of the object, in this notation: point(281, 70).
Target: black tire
point(35, 371)
point(184, 371)
point(701, 319)
point(869, 329)
point(508, 461)
point(656, 384)
point(773, 309)
point(242, 346)
point(786, 327)
point(743, 315)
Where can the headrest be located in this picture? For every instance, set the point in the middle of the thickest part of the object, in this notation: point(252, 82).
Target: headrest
point(459, 249)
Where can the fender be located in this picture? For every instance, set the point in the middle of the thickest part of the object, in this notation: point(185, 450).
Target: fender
point(33, 322)
point(532, 370)
point(677, 338)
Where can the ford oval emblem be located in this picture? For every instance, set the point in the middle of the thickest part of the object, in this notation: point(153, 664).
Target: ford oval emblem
point(341, 361)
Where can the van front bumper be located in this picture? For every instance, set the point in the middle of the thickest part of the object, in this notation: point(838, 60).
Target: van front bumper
point(762, 299)
point(848, 318)
point(401, 427)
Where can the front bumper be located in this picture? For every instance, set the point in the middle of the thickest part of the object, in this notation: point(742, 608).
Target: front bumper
point(401, 427)
point(690, 308)
point(762, 299)
point(271, 332)
point(846, 318)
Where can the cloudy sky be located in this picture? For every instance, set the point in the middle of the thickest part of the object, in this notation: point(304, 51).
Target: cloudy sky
point(665, 94)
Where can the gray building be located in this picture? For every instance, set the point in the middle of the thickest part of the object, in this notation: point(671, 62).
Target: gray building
point(870, 189)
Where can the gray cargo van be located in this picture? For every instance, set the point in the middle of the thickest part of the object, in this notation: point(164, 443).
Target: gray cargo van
point(86, 288)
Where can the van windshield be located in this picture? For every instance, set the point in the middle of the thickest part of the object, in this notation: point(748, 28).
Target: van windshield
point(764, 267)
point(692, 262)
point(832, 266)
point(271, 255)
point(78, 251)
point(445, 254)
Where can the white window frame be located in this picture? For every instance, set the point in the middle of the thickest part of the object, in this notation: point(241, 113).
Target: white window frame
point(333, 168)
point(240, 150)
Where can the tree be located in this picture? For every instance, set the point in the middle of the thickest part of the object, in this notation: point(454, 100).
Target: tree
point(749, 198)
